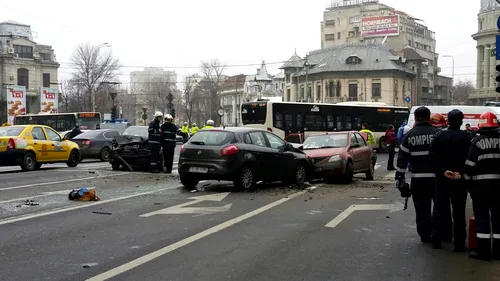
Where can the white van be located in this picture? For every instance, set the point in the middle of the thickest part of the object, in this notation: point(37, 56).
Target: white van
point(471, 113)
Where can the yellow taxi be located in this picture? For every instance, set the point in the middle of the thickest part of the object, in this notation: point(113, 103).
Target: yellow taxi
point(31, 146)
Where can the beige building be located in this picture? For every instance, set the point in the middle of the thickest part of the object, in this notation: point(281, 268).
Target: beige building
point(353, 72)
point(486, 60)
point(24, 62)
point(370, 22)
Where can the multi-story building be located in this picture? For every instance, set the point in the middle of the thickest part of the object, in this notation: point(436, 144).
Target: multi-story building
point(486, 59)
point(151, 87)
point(23, 62)
point(370, 22)
point(351, 72)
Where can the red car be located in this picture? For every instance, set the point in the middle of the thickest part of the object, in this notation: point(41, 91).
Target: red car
point(340, 154)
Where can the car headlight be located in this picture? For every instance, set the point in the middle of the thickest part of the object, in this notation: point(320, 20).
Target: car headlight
point(334, 158)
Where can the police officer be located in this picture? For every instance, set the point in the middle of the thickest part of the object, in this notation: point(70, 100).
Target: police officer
point(483, 175)
point(209, 125)
point(185, 132)
point(155, 142)
point(168, 131)
point(194, 129)
point(449, 152)
point(370, 137)
point(415, 149)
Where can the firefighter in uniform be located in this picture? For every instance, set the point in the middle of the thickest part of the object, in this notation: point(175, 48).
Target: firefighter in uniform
point(155, 141)
point(415, 149)
point(483, 175)
point(168, 133)
point(209, 125)
point(449, 152)
point(194, 129)
point(438, 121)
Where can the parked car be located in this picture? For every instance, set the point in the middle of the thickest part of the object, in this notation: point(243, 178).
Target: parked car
point(96, 144)
point(242, 155)
point(31, 146)
point(340, 154)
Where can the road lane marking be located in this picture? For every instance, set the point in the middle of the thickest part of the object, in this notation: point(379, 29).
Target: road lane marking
point(398, 206)
point(377, 166)
point(58, 182)
point(84, 205)
point(391, 175)
point(172, 247)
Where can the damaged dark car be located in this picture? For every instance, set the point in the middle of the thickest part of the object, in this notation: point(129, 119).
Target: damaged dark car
point(132, 152)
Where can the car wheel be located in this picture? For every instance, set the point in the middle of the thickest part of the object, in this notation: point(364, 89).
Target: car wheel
point(189, 183)
point(29, 162)
point(115, 166)
point(370, 174)
point(348, 173)
point(38, 165)
point(73, 160)
point(300, 175)
point(245, 180)
point(105, 154)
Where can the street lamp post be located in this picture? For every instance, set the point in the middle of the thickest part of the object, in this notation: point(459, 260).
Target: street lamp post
point(452, 76)
point(92, 92)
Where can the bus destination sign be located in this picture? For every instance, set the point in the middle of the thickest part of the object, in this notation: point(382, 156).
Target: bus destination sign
point(86, 115)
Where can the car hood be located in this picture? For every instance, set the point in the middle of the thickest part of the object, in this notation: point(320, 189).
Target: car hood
point(324, 152)
point(128, 139)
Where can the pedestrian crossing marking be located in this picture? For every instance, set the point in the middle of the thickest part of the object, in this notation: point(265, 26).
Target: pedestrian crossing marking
point(391, 175)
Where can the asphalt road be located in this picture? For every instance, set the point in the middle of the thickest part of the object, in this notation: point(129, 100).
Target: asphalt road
point(148, 228)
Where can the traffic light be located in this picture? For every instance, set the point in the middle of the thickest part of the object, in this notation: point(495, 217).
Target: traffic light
point(170, 106)
point(172, 112)
point(113, 112)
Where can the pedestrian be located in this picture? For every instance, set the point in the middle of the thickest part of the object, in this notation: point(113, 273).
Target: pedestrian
point(483, 175)
point(449, 152)
point(97, 126)
point(154, 142)
point(415, 149)
point(75, 132)
point(209, 125)
point(168, 131)
point(469, 130)
point(401, 129)
point(390, 141)
point(370, 136)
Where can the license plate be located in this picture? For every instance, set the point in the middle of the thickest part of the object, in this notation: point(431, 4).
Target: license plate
point(198, 170)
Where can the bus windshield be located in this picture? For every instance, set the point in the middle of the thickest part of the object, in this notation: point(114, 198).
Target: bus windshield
point(254, 113)
point(88, 120)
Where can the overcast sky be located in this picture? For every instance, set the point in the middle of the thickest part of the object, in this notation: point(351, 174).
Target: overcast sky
point(178, 34)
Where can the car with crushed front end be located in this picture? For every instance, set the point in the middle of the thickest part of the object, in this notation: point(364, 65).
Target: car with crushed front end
point(340, 155)
point(242, 155)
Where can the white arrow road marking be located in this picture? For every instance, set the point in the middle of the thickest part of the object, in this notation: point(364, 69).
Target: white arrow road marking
point(179, 209)
point(398, 206)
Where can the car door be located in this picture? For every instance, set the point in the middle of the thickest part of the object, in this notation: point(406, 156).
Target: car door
point(354, 152)
point(263, 154)
point(58, 149)
point(365, 152)
point(41, 144)
point(281, 161)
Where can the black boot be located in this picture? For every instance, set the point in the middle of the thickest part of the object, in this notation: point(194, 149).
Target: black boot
point(476, 256)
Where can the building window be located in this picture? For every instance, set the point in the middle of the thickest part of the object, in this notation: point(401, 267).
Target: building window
point(46, 80)
point(338, 90)
point(354, 19)
point(25, 52)
point(23, 77)
point(338, 35)
point(330, 37)
point(330, 23)
point(353, 60)
point(45, 56)
point(318, 92)
point(376, 89)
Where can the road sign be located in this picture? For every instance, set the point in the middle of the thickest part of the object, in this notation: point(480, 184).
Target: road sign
point(407, 99)
point(144, 110)
point(144, 117)
point(170, 97)
point(407, 93)
point(364, 207)
point(183, 209)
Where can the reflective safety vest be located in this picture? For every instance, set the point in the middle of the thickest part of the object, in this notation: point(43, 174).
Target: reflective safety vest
point(194, 130)
point(184, 129)
point(207, 127)
point(371, 138)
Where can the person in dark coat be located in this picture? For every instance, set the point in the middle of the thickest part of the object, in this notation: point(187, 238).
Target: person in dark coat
point(155, 142)
point(75, 132)
point(391, 141)
point(168, 132)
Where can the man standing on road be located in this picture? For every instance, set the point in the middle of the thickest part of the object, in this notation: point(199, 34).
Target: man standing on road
point(75, 132)
point(154, 142)
point(390, 140)
point(415, 149)
point(370, 137)
point(481, 169)
point(210, 125)
point(168, 132)
point(401, 133)
point(194, 129)
point(449, 152)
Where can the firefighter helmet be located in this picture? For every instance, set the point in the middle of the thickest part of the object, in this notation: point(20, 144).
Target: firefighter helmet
point(438, 120)
point(488, 120)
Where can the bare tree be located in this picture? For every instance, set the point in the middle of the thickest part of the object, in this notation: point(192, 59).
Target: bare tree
point(461, 91)
point(93, 69)
point(72, 96)
point(191, 94)
point(154, 93)
point(213, 77)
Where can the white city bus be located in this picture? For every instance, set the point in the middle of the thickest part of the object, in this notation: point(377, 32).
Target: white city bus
point(295, 121)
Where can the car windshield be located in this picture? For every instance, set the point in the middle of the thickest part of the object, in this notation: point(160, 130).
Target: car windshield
point(212, 138)
point(141, 131)
point(325, 141)
point(11, 131)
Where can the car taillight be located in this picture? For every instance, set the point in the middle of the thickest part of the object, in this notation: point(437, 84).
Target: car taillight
point(270, 130)
point(12, 144)
point(182, 148)
point(229, 150)
point(87, 142)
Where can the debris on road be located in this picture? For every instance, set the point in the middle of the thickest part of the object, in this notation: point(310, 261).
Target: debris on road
point(31, 202)
point(102, 213)
point(83, 194)
point(91, 172)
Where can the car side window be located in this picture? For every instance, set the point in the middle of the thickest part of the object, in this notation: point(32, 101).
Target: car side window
point(53, 136)
point(354, 141)
point(275, 141)
point(361, 140)
point(257, 138)
point(246, 139)
point(38, 133)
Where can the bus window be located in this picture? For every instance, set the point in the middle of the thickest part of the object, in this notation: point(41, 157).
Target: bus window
point(313, 122)
point(329, 122)
point(278, 120)
point(253, 113)
point(299, 121)
point(339, 123)
point(348, 122)
point(289, 122)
